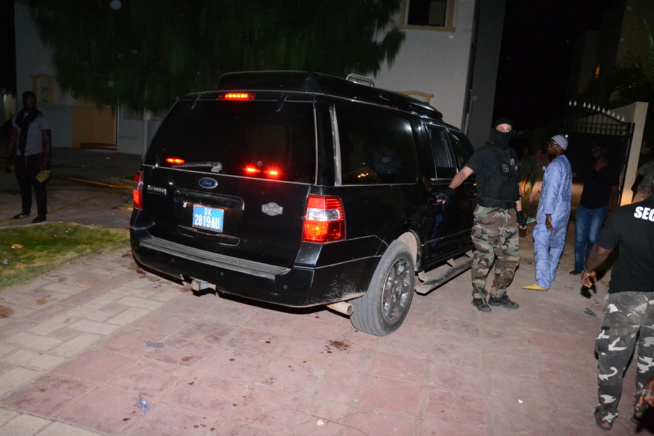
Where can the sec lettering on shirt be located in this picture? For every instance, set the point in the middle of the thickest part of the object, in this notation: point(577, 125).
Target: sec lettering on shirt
point(644, 213)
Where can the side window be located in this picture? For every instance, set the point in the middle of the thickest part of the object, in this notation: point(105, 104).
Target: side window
point(462, 148)
point(428, 14)
point(445, 167)
point(377, 145)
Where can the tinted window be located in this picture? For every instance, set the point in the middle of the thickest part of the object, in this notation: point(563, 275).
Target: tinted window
point(250, 138)
point(462, 148)
point(377, 146)
point(445, 168)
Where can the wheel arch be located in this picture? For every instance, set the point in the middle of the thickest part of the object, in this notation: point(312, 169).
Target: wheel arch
point(411, 241)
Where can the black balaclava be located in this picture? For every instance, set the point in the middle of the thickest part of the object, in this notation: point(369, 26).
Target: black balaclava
point(501, 139)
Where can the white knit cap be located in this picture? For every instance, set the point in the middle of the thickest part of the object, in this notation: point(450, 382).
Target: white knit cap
point(561, 140)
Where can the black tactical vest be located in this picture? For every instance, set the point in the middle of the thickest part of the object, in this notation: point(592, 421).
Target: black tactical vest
point(499, 188)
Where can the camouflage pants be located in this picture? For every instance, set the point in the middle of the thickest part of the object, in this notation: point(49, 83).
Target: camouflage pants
point(494, 234)
point(626, 314)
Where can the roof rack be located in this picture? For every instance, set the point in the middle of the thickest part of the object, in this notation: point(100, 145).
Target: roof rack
point(355, 87)
point(361, 80)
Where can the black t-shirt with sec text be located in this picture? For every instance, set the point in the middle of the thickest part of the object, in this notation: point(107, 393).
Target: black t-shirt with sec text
point(632, 227)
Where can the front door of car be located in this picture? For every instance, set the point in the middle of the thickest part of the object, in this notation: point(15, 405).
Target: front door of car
point(449, 224)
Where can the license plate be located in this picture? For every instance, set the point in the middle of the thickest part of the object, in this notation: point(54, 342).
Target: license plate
point(208, 218)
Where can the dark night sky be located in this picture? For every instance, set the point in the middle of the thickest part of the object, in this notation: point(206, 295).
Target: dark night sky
point(534, 62)
point(535, 59)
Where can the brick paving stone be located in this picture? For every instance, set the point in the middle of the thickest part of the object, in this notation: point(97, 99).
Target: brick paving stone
point(76, 345)
point(15, 378)
point(20, 311)
point(60, 429)
point(159, 322)
point(398, 367)
point(139, 302)
point(148, 377)
point(165, 295)
point(5, 349)
point(94, 365)
point(380, 422)
point(171, 420)
point(94, 327)
point(34, 360)
point(133, 292)
point(52, 325)
point(24, 425)
point(103, 300)
point(104, 410)
point(88, 313)
point(128, 316)
point(6, 416)
point(36, 342)
point(64, 288)
point(35, 299)
point(406, 397)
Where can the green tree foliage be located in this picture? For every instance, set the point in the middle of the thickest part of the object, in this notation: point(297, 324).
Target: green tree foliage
point(145, 53)
point(632, 81)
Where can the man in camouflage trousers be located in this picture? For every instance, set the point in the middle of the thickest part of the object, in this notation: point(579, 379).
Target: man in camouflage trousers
point(629, 311)
point(497, 218)
point(495, 232)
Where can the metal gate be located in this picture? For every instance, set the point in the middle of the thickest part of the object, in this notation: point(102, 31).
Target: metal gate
point(586, 125)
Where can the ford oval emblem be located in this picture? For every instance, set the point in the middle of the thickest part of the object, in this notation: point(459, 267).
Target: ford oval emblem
point(207, 183)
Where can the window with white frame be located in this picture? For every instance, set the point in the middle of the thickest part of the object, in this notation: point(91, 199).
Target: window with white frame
point(428, 14)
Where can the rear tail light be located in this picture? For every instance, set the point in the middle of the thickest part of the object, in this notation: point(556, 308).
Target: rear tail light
point(324, 220)
point(137, 194)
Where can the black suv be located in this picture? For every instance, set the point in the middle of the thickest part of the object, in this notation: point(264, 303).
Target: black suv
point(302, 189)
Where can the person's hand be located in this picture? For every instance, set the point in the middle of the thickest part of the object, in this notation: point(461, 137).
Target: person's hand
point(444, 196)
point(646, 394)
point(548, 223)
point(522, 220)
point(588, 278)
point(45, 165)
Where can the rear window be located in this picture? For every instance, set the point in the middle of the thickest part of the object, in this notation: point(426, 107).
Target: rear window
point(377, 146)
point(261, 139)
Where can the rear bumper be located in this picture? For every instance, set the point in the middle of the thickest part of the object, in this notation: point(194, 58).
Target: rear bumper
point(298, 286)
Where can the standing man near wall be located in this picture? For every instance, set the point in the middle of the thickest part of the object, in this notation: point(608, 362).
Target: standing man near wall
point(629, 309)
point(598, 198)
point(30, 149)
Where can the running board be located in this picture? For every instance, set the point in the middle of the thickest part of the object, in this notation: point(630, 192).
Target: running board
point(436, 277)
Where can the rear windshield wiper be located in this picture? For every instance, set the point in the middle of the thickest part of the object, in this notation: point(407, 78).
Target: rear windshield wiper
point(216, 167)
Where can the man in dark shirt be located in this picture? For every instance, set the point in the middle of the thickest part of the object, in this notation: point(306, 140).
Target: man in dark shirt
point(497, 218)
point(629, 304)
point(599, 196)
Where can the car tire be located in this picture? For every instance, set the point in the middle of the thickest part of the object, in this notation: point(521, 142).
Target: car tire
point(384, 306)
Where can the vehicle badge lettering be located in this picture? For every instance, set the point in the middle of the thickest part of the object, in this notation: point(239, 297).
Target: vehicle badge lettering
point(272, 209)
point(207, 183)
point(156, 190)
point(218, 167)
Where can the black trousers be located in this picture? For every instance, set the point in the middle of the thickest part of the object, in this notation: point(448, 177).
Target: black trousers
point(27, 167)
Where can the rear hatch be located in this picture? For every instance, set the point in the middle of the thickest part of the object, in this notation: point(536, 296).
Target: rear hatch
point(230, 174)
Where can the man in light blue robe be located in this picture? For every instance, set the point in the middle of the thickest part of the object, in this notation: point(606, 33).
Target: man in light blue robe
point(553, 214)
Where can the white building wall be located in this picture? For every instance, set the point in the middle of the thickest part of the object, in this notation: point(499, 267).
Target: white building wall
point(32, 58)
point(436, 62)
